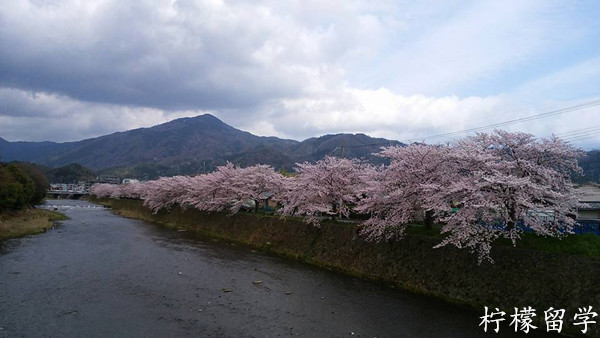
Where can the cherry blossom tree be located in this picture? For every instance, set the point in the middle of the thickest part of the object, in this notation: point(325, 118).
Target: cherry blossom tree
point(504, 183)
point(398, 193)
point(329, 186)
point(481, 188)
point(131, 190)
point(257, 183)
point(105, 190)
point(165, 192)
point(214, 191)
point(232, 188)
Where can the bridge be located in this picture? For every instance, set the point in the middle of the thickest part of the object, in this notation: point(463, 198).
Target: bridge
point(65, 194)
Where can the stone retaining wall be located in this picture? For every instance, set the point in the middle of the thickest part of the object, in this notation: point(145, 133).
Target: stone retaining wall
point(518, 278)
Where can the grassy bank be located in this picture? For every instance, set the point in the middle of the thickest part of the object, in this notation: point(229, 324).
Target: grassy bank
point(553, 276)
point(582, 245)
point(27, 222)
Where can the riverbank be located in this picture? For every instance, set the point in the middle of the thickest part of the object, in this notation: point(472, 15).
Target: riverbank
point(519, 277)
point(21, 223)
point(100, 274)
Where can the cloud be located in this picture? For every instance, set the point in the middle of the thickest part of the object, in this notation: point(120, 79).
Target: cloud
point(473, 50)
point(74, 69)
point(572, 81)
point(170, 55)
point(375, 112)
point(379, 113)
point(383, 113)
point(41, 116)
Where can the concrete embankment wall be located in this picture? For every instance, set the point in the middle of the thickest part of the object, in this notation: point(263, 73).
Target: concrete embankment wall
point(518, 278)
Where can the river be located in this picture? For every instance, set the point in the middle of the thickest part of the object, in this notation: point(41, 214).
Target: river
point(101, 275)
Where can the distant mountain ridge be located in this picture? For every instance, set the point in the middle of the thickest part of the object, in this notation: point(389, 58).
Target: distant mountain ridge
point(188, 146)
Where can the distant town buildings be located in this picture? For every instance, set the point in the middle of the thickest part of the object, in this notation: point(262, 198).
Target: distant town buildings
point(83, 187)
point(108, 179)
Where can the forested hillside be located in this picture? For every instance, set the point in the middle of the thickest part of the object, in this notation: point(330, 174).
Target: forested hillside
point(591, 167)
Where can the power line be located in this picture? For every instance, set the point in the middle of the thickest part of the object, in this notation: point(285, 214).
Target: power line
point(527, 118)
point(578, 132)
point(529, 108)
point(519, 120)
point(584, 137)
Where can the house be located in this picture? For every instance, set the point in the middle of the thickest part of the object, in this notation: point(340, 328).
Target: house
point(589, 195)
point(588, 214)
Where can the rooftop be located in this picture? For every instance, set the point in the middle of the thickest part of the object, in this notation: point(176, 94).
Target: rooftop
point(588, 193)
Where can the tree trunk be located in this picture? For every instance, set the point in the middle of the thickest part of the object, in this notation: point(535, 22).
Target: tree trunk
point(512, 215)
point(335, 208)
point(510, 225)
point(428, 220)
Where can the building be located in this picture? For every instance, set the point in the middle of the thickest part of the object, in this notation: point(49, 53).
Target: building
point(589, 195)
point(108, 179)
point(130, 180)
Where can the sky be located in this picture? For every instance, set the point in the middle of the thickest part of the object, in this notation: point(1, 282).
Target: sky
point(404, 70)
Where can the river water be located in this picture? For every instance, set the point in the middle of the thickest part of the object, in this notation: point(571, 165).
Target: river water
point(101, 275)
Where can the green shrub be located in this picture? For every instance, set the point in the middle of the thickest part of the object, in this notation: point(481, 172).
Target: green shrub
point(20, 188)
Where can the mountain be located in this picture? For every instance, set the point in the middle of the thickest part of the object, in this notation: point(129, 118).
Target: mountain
point(591, 167)
point(202, 138)
point(70, 173)
point(199, 144)
point(187, 146)
point(28, 151)
point(343, 145)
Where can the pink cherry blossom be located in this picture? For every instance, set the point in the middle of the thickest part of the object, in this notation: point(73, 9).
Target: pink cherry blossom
point(398, 193)
point(502, 184)
point(328, 187)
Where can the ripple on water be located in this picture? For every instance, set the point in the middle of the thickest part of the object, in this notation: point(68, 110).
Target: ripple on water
point(70, 204)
